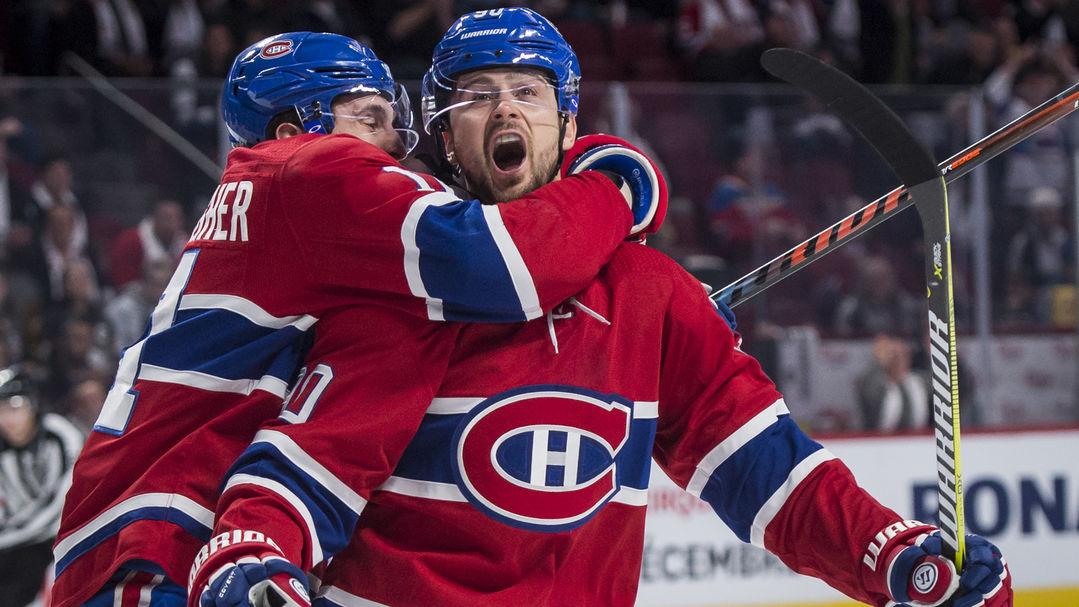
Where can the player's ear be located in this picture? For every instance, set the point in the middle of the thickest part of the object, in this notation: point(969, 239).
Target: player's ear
point(570, 136)
point(286, 130)
point(447, 144)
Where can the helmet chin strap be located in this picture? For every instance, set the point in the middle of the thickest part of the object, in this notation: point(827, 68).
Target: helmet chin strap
point(563, 122)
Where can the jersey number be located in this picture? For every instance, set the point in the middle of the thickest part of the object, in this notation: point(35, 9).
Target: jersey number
point(120, 403)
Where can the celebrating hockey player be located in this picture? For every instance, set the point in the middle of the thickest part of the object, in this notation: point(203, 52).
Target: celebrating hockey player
point(526, 481)
point(313, 215)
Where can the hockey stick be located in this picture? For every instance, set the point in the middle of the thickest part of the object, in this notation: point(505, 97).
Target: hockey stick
point(890, 137)
point(867, 217)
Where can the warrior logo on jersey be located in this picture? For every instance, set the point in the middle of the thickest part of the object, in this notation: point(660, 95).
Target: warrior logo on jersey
point(542, 457)
point(277, 49)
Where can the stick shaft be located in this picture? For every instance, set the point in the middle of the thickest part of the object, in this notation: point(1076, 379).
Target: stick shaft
point(898, 199)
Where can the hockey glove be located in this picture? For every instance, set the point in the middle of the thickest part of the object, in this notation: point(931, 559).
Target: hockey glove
point(245, 569)
point(614, 155)
point(919, 576)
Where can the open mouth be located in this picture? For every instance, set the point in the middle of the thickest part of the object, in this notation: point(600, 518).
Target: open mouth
point(508, 152)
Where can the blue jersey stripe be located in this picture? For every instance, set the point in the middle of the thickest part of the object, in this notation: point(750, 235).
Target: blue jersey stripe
point(450, 233)
point(429, 456)
point(227, 345)
point(740, 486)
point(150, 513)
point(334, 520)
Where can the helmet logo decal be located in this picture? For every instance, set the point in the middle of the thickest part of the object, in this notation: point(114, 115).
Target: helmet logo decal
point(490, 32)
point(277, 49)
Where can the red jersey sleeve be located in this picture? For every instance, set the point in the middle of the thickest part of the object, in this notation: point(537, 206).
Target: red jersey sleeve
point(363, 223)
point(725, 435)
point(308, 474)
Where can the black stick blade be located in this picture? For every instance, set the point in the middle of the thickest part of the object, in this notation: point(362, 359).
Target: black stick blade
point(859, 108)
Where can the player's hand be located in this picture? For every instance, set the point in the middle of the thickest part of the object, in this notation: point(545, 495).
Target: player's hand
point(920, 576)
point(618, 156)
point(726, 313)
point(245, 569)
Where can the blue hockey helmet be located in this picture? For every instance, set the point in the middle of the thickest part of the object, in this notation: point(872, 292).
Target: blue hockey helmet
point(501, 37)
point(305, 71)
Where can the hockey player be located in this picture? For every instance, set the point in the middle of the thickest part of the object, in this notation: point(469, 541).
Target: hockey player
point(305, 225)
point(526, 483)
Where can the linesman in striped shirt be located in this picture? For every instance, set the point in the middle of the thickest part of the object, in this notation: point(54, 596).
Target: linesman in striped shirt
point(37, 452)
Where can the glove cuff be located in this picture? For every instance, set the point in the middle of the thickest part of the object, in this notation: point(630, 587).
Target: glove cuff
point(225, 548)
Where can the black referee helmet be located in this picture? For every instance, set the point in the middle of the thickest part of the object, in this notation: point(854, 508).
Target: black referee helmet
point(17, 387)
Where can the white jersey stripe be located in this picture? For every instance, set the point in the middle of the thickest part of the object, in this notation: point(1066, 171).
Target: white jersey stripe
point(144, 500)
point(345, 599)
point(205, 381)
point(515, 264)
point(771, 507)
point(312, 468)
point(246, 308)
point(301, 508)
point(732, 443)
point(118, 591)
point(643, 409)
point(447, 492)
point(631, 496)
point(453, 406)
point(412, 250)
point(148, 590)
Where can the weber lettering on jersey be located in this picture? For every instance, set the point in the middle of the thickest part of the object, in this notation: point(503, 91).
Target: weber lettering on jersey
point(225, 218)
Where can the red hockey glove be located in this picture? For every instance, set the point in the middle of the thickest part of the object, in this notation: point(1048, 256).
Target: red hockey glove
point(917, 575)
point(245, 569)
point(618, 156)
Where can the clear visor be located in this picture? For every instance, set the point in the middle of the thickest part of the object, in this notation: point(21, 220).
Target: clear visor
point(528, 92)
point(401, 120)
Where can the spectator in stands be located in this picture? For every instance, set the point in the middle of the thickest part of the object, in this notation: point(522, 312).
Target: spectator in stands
point(791, 24)
point(111, 36)
point(9, 127)
point(158, 236)
point(84, 403)
point(81, 301)
point(55, 188)
point(748, 210)
point(721, 40)
point(128, 312)
point(1040, 257)
point(964, 54)
point(891, 396)
point(37, 452)
point(1028, 77)
point(76, 357)
point(892, 34)
point(57, 248)
point(878, 304)
point(405, 31)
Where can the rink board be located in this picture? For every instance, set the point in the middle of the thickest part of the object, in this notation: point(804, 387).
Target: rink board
point(1022, 492)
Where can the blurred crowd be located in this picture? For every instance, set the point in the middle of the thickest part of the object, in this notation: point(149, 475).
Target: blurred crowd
point(879, 41)
point(83, 262)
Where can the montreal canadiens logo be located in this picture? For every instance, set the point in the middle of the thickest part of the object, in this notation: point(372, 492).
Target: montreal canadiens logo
point(276, 49)
point(542, 457)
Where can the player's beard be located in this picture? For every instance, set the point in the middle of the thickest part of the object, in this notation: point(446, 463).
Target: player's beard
point(481, 183)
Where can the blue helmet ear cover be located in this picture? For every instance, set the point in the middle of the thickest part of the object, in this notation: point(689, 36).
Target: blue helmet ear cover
point(301, 71)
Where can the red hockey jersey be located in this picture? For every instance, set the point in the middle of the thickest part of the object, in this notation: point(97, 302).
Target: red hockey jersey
point(298, 230)
point(527, 480)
